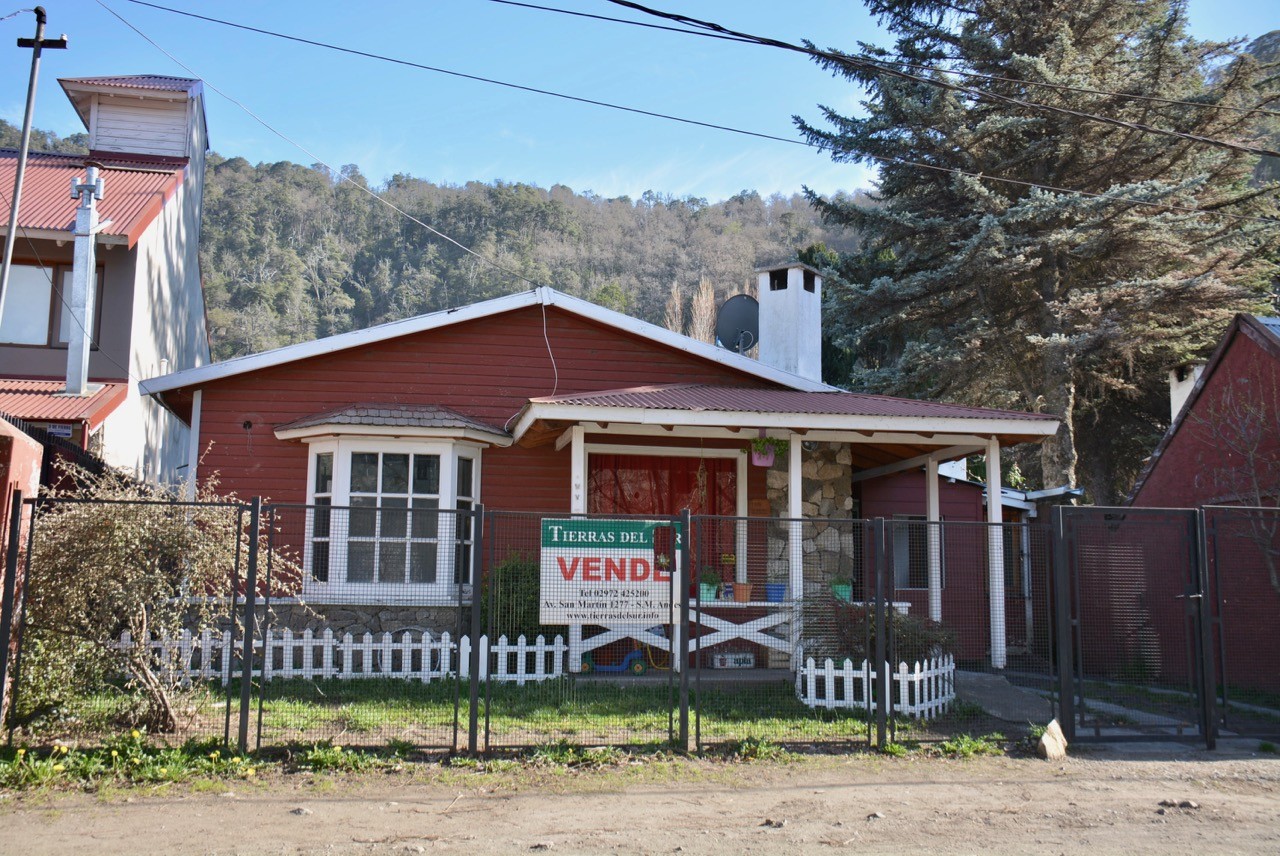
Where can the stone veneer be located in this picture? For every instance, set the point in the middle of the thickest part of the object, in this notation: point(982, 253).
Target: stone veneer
point(827, 498)
point(358, 619)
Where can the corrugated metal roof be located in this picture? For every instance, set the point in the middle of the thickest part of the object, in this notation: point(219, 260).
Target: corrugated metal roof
point(394, 415)
point(41, 401)
point(132, 194)
point(703, 397)
point(138, 81)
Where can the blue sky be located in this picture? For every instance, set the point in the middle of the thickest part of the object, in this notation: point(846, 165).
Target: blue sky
point(391, 119)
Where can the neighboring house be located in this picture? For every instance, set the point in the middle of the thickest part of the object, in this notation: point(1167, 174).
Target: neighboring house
point(1223, 445)
point(541, 402)
point(87, 317)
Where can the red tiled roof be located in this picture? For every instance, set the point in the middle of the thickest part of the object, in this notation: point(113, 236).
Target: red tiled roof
point(132, 194)
point(39, 401)
point(702, 397)
point(138, 81)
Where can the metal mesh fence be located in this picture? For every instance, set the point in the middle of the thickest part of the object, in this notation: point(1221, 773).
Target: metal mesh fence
point(125, 620)
point(1244, 581)
point(361, 634)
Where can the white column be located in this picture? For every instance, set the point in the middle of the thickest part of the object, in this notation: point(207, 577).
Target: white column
point(933, 513)
point(577, 505)
point(995, 554)
point(795, 549)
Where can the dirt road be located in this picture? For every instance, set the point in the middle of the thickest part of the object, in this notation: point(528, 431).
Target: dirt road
point(1105, 801)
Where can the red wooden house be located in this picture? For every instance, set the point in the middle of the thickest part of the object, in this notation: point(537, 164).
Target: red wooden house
point(541, 402)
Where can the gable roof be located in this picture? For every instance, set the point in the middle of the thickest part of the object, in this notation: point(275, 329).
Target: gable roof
point(133, 194)
point(1264, 332)
point(420, 417)
point(542, 296)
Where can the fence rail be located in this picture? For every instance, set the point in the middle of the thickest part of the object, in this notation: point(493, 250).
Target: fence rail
point(923, 691)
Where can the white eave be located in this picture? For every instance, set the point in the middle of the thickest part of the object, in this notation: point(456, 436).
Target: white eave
point(539, 296)
point(326, 431)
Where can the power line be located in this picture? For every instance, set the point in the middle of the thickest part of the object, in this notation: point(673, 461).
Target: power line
point(396, 61)
point(865, 65)
point(317, 158)
point(909, 63)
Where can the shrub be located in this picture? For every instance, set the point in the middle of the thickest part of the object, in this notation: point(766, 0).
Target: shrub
point(838, 629)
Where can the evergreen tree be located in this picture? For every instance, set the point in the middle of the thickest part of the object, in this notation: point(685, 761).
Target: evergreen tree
point(1010, 295)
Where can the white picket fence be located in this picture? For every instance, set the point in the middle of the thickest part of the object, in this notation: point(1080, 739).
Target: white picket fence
point(923, 691)
point(409, 654)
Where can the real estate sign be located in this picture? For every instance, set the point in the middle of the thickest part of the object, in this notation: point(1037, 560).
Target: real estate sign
point(608, 571)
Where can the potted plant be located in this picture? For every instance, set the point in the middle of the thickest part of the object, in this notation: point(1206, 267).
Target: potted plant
point(842, 587)
point(708, 584)
point(742, 592)
point(775, 591)
point(764, 449)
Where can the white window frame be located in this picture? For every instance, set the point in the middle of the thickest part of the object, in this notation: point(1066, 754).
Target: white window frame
point(337, 589)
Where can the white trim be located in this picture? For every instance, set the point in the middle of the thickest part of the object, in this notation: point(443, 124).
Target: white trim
point(193, 446)
point(995, 555)
point(909, 427)
point(100, 237)
point(540, 296)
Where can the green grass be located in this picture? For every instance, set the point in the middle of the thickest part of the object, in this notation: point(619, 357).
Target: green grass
point(968, 746)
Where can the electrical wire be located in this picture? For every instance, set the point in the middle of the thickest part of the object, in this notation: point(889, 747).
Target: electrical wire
point(864, 65)
point(909, 63)
point(1161, 206)
point(18, 12)
point(316, 158)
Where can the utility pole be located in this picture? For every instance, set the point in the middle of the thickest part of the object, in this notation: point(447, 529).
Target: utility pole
point(37, 45)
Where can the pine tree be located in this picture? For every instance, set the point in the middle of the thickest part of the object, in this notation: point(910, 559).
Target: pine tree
point(1013, 296)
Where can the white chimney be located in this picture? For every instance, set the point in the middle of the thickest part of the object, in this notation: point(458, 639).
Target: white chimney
point(791, 319)
point(1181, 381)
point(84, 281)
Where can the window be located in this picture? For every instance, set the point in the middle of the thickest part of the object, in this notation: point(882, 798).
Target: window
point(35, 310)
point(810, 281)
point(911, 536)
point(778, 280)
point(383, 520)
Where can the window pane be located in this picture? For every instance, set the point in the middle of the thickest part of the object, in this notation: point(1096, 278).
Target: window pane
point(26, 306)
point(422, 568)
point(394, 517)
point(364, 472)
point(465, 466)
point(426, 473)
point(364, 517)
point(462, 521)
point(320, 561)
point(391, 562)
point(320, 518)
point(395, 473)
point(462, 564)
point(360, 562)
point(324, 473)
point(426, 518)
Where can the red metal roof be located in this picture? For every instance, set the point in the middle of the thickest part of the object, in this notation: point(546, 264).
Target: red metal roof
point(702, 397)
point(138, 81)
point(40, 401)
point(132, 194)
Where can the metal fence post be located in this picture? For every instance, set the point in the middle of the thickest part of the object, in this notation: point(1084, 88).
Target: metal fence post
point(477, 560)
point(882, 665)
point(1204, 613)
point(250, 608)
point(1061, 575)
point(6, 607)
point(685, 535)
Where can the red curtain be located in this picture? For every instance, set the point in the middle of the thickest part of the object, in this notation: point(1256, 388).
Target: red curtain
point(651, 484)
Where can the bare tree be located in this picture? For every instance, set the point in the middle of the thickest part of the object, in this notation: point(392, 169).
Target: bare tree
point(702, 314)
point(673, 312)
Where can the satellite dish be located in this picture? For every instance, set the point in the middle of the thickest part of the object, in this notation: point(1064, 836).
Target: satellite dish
point(738, 323)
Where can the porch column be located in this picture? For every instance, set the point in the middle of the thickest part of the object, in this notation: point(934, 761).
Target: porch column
point(995, 554)
point(933, 514)
point(795, 547)
point(577, 505)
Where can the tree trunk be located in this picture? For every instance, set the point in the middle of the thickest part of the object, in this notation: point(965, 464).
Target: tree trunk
point(1058, 453)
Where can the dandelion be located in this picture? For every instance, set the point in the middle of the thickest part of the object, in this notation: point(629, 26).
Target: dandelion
point(115, 754)
point(135, 734)
point(21, 752)
point(164, 771)
point(136, 761)
point(337, 748)
point(63, 749)
point(58, 768)
point(250, 771)
point(213, 756)
point(237, 760)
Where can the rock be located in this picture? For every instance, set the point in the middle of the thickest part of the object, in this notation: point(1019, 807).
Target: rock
point(1161, 811)
point(1053, 743)
point(1188, 804)
point(542, 845)
point(773, 824)
point(301, 811)
point(875, 815)
point(414, 848)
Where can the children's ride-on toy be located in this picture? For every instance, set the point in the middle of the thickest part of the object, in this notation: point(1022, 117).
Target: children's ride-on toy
point(633, 663)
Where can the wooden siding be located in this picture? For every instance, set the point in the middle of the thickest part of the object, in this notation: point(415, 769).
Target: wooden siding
point(486, 369)
point(140, 127)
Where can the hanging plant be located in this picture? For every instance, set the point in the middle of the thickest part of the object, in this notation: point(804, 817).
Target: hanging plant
point(764, 449)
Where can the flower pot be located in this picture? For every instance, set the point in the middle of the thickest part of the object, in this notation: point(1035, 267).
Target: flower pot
point(706, 592)
point(742, 592)
point(762, 459)
point(842, 591)
point(777, 592)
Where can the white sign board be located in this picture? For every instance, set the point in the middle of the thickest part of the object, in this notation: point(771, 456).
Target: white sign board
point(608, 571)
